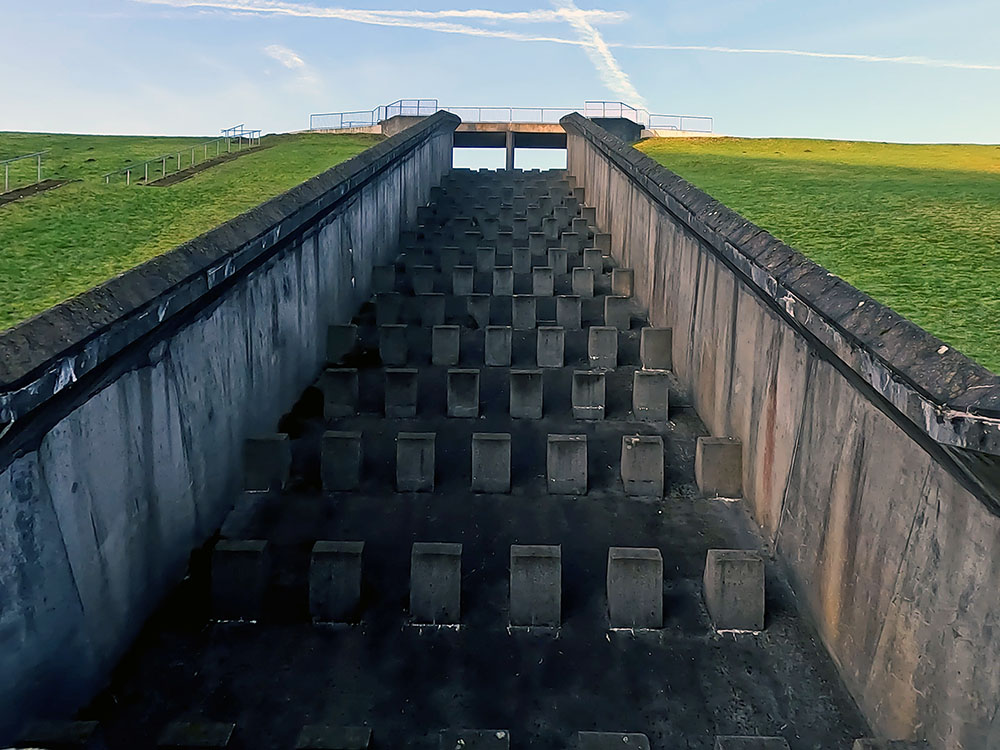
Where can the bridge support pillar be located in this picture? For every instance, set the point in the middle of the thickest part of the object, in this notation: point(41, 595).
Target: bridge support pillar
point(510, 149)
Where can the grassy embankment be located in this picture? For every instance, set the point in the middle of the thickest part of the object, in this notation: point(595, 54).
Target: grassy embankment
point(915, 226)
point(58, 244)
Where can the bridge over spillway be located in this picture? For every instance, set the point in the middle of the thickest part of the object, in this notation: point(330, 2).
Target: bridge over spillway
point(414, 456)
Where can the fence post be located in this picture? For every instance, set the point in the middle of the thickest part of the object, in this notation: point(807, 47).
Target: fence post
point(128, 176)
point(6, 177)
point(146, 172)
point(39, 168)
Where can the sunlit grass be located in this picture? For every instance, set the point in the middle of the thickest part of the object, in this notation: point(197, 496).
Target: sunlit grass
point(58, 244)
point(915, 226)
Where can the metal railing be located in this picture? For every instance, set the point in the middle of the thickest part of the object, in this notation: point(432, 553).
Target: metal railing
point(687, 123)
point(511, 114)
point(426, 107)
point(174, 161)
point(38, 170)
point(365, 118)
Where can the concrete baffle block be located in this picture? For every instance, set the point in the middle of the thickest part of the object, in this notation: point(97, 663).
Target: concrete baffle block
point(491, 462)
point(562, 216)
point(432, 307)
point(734, 589)
point(474, 739)
point(635, 587)
point(196, 735)
point(542, 281)
point(550, 228)
point(573, 242)
point(593, 259)
point(622, 281)
point(536, 243)
point(469, 241)
point(559, 260)
point(340, 342)
point(650, 395)
point(340, 461)
point(463, 280)
point(642, 465)
point(486, 259)
point(62, 735)
point(583, 282)
point(423, 278)
point(497, 346)
point(267, 462)
point(436, 583)
point(568, 314)
point(656, 348)
point(750, 743)
point(505, 239)
point(240, 572)
point(392, 345)
point(526, 394)
point(335, 581)
point(521, 260)
point(383, 279)
point(329, 737)
point(602, 347)
point(618, 312)
point(611, 741)
point(388, 306)
point(503, 281)
point(718, 466)
point(523, 312)
point(445, 345)
point(463, 393)
point(588, 394)
point(400, 392)
point(566, 465)
point(520, 228)
point(415, 461)
point(550, 346)
point(536, 585)
point(450, 257)
point(602, 241)
point(340, 392)
point(478, 307)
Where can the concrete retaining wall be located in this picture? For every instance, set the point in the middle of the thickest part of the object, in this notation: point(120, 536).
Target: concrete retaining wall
point(123, 411)
point(869, 446)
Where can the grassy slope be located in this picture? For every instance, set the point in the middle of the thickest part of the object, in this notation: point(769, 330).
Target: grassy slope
point(56, 245)
point(916, 227)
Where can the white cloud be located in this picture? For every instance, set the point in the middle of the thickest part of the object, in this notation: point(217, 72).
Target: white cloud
point(306, 76)
point(285, 56)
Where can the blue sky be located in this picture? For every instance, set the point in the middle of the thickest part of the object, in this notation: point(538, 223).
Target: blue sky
point(924, 71)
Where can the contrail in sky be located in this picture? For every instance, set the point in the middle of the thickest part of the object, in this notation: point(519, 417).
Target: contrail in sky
point(583, 21)
point(927, 62)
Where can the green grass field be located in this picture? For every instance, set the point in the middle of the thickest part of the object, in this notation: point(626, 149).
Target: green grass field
point(58, 244)
point(916, 227)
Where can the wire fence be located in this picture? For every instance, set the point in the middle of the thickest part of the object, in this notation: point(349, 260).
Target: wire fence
point(591, 109)
point(20, 181)
point(237, 138)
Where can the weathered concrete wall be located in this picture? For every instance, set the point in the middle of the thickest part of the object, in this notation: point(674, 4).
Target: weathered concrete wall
point(868, 445)
point(123, 412)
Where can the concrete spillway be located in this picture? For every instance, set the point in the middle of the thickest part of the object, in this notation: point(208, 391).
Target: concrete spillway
point(547, 459)
point(621, 643)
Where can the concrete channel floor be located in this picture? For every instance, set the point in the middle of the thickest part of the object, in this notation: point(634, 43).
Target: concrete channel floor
point(680, 685)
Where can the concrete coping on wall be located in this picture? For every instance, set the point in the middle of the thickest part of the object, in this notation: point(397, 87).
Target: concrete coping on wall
point(41, 357)
point(939, 390)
